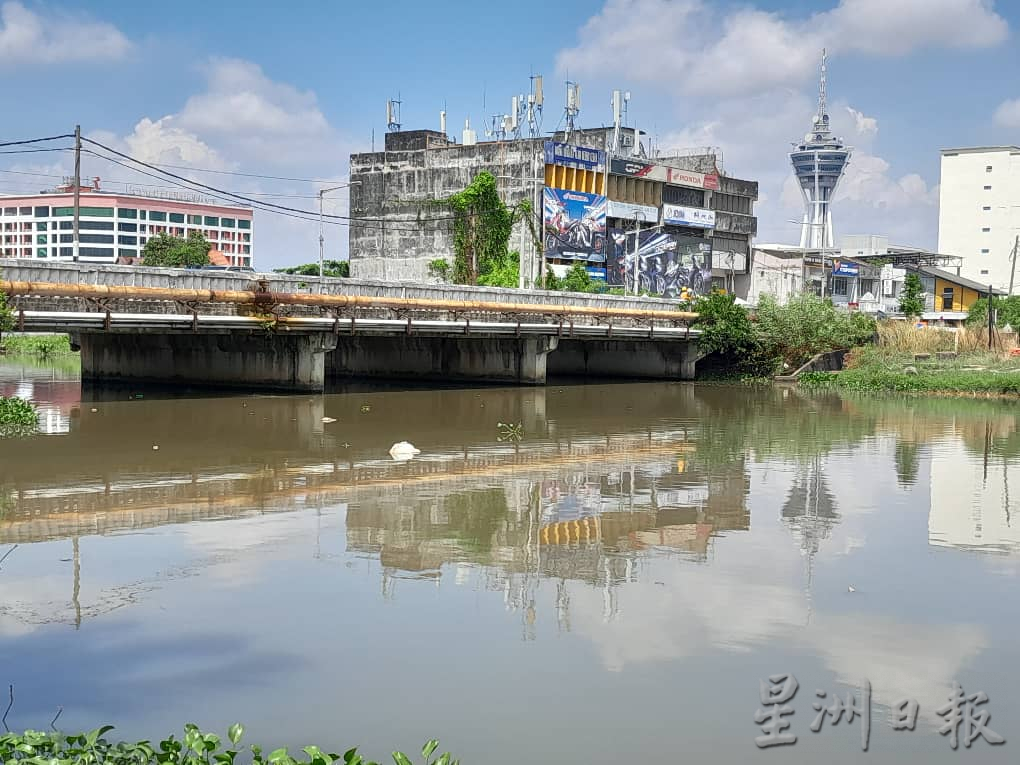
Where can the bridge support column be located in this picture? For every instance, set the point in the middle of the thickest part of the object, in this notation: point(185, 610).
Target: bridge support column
point(644, 359)
point(262, 361)
point(421, 357)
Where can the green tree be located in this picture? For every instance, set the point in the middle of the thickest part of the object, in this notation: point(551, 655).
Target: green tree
point(333, 268)
point(1008, 312)
point(808, 325)
point(170, 252)
point(728, 336)
point(439, 269)
point(911, 302)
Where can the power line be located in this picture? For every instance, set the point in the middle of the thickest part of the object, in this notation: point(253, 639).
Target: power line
point(37, 140)
point(246, 175)
point(36, 151)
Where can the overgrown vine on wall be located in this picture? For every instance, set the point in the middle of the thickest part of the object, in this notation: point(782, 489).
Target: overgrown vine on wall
point(482, 225)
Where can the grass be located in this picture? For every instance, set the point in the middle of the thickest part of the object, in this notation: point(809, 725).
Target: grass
point(36, 345)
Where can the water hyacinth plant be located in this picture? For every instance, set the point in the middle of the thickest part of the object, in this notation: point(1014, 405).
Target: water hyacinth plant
point(195, 748)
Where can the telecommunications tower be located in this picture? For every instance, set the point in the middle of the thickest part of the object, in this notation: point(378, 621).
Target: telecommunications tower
point(819, 163)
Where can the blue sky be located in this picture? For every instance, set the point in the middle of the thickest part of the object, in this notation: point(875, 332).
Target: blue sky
point(292, 90)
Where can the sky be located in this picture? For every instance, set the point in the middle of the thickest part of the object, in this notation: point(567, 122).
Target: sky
point(292, 90)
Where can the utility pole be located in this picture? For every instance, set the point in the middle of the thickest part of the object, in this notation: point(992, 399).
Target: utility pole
point(991, 316)
point(322, 238)
point(77, 184)
point(1012, 269)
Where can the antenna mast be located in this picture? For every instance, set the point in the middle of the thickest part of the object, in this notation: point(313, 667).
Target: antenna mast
point(573, 107)
point(393, 114)
point(823, 115)
point(535, 100)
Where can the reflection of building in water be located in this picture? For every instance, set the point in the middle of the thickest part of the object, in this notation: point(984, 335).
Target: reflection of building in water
point(975, 500)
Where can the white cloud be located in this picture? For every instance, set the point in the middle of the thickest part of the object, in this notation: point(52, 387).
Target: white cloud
point(863, 125)
point(27, 37)
point(748, 49)
point(243, 121)
point(1008, 114)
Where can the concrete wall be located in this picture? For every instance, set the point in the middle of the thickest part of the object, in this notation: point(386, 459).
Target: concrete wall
point(237, 360)
point(623, 359)
point(504, 360)
point(16, 269)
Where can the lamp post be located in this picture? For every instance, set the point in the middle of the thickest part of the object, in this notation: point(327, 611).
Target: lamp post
point(322, 238)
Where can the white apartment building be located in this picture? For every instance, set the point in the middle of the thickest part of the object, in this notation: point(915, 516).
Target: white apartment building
point(979, 210)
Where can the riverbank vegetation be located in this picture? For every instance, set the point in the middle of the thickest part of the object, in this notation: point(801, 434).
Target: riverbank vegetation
point(35, 345)
point(17, 417)
point(777, 337)
point(195, 748)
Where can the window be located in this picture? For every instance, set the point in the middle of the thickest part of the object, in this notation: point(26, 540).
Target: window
point(177, 217)
point(947, 299)
point(127, 212)
point(96, 238)
point(10, 211)
point(143, 240)
point(986, 209)
point(42, 212)
point(195, 220)
point(988, 188)
point(91, 212)
point(96, 225)
point(66, 238)
point(127, 239)
point(141, 214)
point(984, 272)
point(242, 223)
point(66, 252)
point(127, 253)
point(40, 252)
point(66, 225)
point(227, 222)
point(839, 286)
point(40, 239)
point(25, 211)
point(988, 169)
point(96, 252)
point(40, 226)
point(157, 215)
point(984, 251)
point(211, 220)
point(985, 230)
point(127, 227)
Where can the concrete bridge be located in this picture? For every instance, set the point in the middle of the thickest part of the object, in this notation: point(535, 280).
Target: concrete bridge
point(271, 331)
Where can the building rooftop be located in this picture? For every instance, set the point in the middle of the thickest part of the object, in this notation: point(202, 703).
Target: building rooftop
point(963, 281)
point(981, 150)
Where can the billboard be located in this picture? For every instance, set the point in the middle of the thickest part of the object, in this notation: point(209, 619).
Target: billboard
point(839, 268)
point(666, 263)
point(574, 224)
point(695, 217)
point(569, 155)
point(630, 211)
point(636, 168)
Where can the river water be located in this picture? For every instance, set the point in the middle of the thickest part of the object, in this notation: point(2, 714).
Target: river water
point(614, 586)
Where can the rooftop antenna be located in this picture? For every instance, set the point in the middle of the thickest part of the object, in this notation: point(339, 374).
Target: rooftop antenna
point(823, 115)
point(535, 100)
point(516, 114)
point(442, 120)
point(573, 107)
point(393, 114)
point(619, 103)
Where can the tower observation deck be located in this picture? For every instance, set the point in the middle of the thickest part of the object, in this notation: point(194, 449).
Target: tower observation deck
point(819, 162)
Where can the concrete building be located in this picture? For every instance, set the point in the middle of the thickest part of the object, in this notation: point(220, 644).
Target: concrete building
point(979, 210)
point(114, 227)
point(656, 224)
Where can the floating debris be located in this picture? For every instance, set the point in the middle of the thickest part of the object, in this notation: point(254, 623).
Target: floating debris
point(155, 448)
point(403, 451)
point(329, 419)
point(510, 432)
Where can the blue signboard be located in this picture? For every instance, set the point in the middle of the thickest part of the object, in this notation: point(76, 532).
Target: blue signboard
point(596, 273)
point(845, 269)
point(569, 155)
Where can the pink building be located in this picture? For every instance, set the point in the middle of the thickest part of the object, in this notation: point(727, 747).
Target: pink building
point(115, 227)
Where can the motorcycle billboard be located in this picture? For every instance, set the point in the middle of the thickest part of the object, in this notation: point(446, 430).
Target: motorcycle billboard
point(575, 225)
point(666, 263)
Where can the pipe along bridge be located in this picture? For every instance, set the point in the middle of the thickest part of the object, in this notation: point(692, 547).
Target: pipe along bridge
point(264, 339)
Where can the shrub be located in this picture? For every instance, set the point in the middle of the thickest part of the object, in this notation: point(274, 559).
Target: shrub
point(911, 302)
point(728, 335)
point(195, 748)
point(439, 269)
point(808, 325)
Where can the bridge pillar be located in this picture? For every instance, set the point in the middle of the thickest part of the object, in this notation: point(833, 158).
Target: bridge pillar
point(421, 357)
point(263, 361)
point(642, 359)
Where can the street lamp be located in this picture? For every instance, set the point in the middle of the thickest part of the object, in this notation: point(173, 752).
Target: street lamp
point(322, 238)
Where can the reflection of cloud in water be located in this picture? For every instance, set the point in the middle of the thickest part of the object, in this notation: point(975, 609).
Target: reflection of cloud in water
point(916, 661)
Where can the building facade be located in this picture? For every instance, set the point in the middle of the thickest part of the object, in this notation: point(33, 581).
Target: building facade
point(642, 224)
point(115, 227)
point(979, 210)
